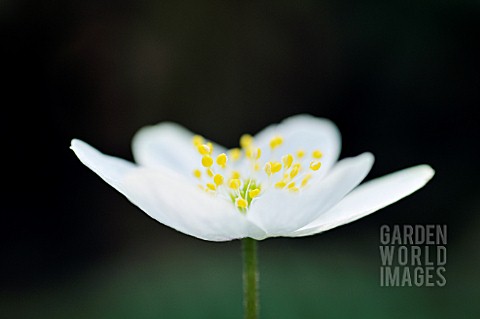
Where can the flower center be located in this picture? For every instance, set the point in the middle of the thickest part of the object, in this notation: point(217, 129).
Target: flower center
point(242, 182)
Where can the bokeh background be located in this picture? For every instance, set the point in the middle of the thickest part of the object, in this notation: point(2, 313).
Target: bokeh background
point(400, 79)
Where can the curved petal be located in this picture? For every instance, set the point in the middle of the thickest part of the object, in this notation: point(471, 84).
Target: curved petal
point(303, 132)
point(183, 206)
point(167, 197)
point(280, 213)
point(167, 145)
point(110, 169)
point(370, 197)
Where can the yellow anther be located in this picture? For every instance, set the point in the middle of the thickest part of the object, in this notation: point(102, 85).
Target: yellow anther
point(287, 160)
point(234, 183)
point(276, 167)
point(315, 165)
point(210, 145)
point(248, 152)
point(273, 143)
point(272, 167)
point(197, 140)
point(241, 203)
point(236, 174)
point(235, 154)
point(218, 179)
point(306, 179)
point(246, 140)
point(209, 172)
point(258, 153)
point(207, 161)
point(317, 154)
point(203, 149)
point(222, 160)
point(295, 170)
point(253, 153)
point(268, 168)
point(280, 184)
point(197, 173)
point(276, 142)
point(300, 154)
point(254, 193)
point(290, 167)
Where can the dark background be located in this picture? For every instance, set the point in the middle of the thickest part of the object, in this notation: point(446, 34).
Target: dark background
point(400, 79)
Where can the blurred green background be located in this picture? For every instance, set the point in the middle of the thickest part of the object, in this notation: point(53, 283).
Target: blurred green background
point(400, 79)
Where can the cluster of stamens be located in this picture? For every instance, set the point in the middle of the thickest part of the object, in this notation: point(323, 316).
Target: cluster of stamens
point(219, 176)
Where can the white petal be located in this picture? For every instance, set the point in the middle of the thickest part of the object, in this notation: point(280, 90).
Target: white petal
point(279, 212)
point(167, 197)
point(167, 145)
point(370, 197)
point(303, 132)
point(110, 169)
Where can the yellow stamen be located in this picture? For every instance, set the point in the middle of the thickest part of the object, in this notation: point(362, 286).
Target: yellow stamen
point(276, 142)
point(197, 140)
point(218, 179)
point(317, 154)
point(291, 172)
point(300, 154)
point(197, 173)
point(203, 149)
point(234, 183)
point(268, 168)
point(241, 203)
point(258, 154)
point(210, 145)
point(209, 172)
point(254, 193)
point(235, 174)
point(306, 179)
point(280, 184)
point(235, 154)
point(222, 160)
point(207, 161)
point(253, 153)
point(248, 152)
point(315, 165)
point(246, 140)
point(276, 167)
point(287, 160)
point(295, 170)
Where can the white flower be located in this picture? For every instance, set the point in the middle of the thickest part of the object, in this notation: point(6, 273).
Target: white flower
point(284, 182)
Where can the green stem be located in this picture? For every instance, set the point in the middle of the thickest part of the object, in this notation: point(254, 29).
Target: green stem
point(250, 278)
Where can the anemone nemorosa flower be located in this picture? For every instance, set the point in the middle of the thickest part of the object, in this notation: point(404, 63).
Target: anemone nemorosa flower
point(285, 181)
